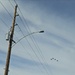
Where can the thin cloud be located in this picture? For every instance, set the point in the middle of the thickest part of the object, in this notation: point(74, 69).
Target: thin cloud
point(58, 41)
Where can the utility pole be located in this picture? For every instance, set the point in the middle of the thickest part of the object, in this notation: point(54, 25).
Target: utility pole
point(10, 43)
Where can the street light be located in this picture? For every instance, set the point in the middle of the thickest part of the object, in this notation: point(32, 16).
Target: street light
point(28, 35)
point(41, 31)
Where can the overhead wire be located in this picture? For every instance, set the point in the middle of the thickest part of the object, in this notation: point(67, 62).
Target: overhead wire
point(32, 50)
point(37, 50)
point(3, 32)
point(4, 23)
point(8, 27)
point(25, 49)
point(30, 31)
point(18, 25)
point(5, 9)
point(24, 19)
point(11, 4)
point(29, 45)
point(19, 42)
point(9, 14)
point(28, 42)
point(36, 45)
point(33, 38)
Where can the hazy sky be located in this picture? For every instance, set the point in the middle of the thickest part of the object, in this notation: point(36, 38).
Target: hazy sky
point(32, 55)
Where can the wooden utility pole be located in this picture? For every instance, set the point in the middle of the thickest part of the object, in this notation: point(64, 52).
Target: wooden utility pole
point(10, 43)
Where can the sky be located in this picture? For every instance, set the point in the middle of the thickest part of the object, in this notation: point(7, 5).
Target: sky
point(32, 55)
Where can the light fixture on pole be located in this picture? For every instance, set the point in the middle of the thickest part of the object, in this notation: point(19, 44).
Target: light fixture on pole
point(28, 35)
point(41, 31)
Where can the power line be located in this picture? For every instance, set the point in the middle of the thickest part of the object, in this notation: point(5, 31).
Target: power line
point(34, 51)
point(29, 54)
point(4, 23)
point(11, 4)
point(10, 16)
point(5, 9)
point(20, 18)
point(30, 31)
point(8, 27)
point(38, 49)
point(29, 45)
point(8, 13)
point(28, 28)
point(31, 48)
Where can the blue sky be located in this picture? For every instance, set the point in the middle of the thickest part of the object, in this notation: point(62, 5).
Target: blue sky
point(32, 55)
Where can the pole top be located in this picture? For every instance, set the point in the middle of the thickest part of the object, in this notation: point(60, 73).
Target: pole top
point(16, 5)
